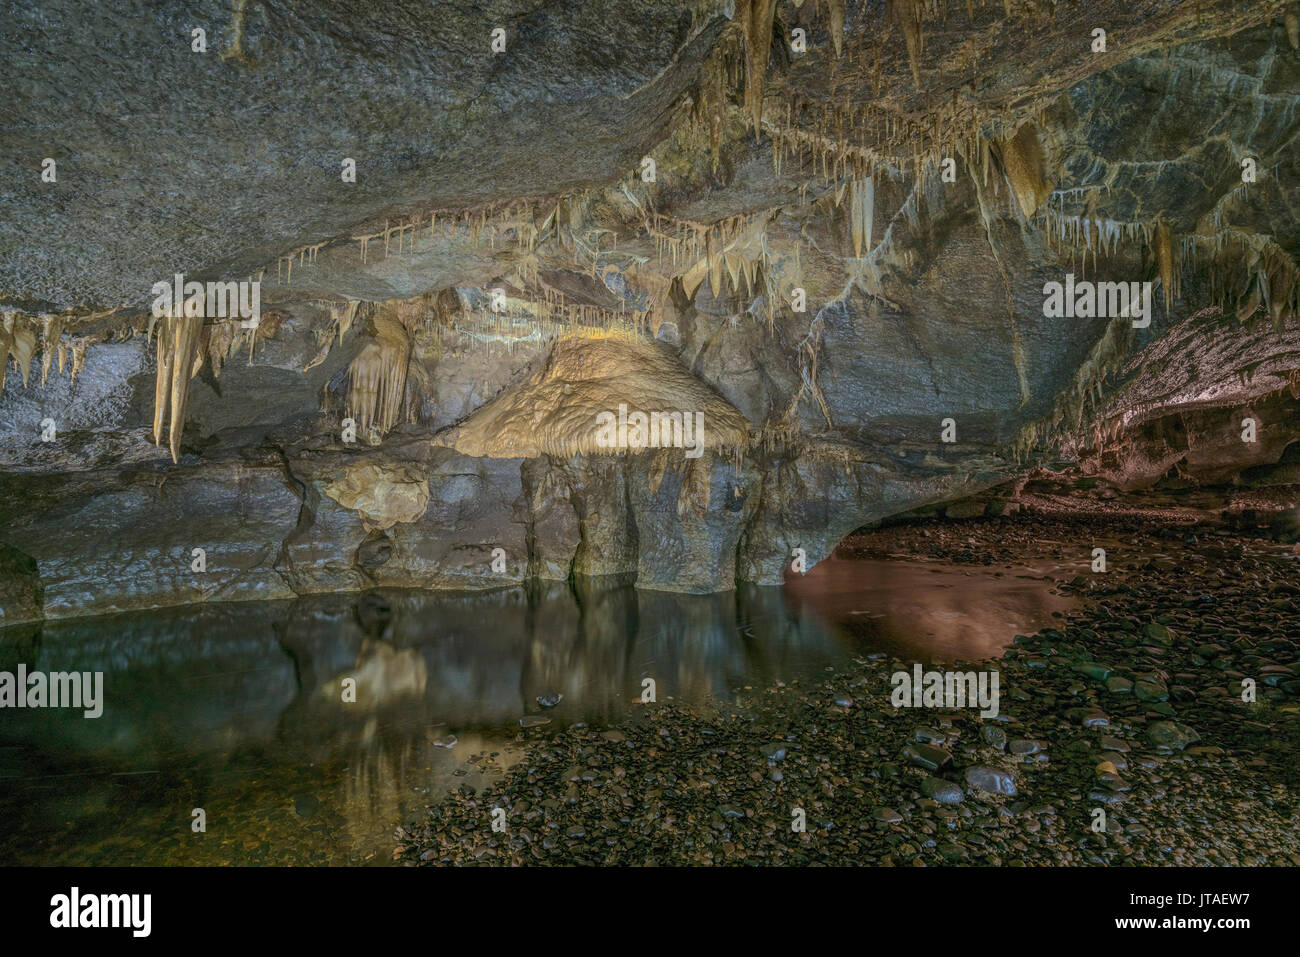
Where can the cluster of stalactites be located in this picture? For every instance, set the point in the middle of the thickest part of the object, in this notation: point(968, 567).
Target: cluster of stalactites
point(19, 335)
point(492, 226)
point(17, 344)
point(854, 140)
point(1248, 272)
point(550, 319)
point(183, 344)
point(756, 18)
point(1078, 404)
point(377, 376)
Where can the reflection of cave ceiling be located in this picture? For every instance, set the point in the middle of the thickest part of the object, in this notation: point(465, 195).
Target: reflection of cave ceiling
point(920, 172)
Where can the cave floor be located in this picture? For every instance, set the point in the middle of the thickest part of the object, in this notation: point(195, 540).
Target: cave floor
point(1122, 736)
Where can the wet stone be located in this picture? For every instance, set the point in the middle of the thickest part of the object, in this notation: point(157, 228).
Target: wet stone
point(1093, 669)
point(1157, 632)
point(994, 737)
point(991, 780)
point(1148, 690)
point(927, 756)
point(953, 852)
point(945, 792)
point(1170, 735)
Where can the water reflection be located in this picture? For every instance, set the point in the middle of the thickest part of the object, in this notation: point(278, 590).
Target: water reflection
point(240, 710)
point(925, 611)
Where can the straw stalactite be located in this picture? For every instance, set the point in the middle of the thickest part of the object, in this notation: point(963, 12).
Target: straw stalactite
point(862, 206)
point(1164, 250)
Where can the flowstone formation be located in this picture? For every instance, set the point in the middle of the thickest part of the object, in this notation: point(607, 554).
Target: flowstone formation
point(668, 291)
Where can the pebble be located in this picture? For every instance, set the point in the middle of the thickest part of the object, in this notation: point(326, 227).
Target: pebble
point(945, 792)
point(994, 737)
point(991, 780)
point(1170, 735)
point(927, 756)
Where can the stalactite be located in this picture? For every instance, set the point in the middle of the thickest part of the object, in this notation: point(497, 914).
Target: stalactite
point(377, 376)
point(1022, 161)
point(22, 348)
point(221, 337)
point(6, 342)
point(907, 14)
point(179, 357)
point(1292, 20)
point(1164, 254)
point(1278, 281)
point(756, 18)
point(51, 334)
point(693, 495)
point(78, 358)
point(861, 214)
point(835, 11)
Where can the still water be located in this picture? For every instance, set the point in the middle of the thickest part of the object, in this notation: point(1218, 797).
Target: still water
point(238, 709)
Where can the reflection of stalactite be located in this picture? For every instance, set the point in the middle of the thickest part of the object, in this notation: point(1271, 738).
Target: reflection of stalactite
point(6, 342)
point(179, 358)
